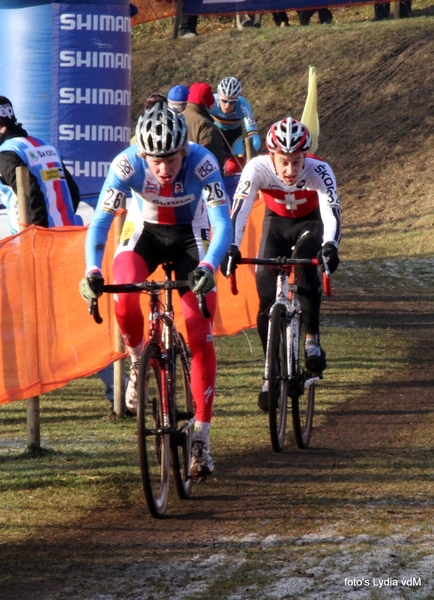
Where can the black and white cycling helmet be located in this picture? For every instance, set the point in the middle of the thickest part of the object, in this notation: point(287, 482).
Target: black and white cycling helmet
point(161, 131)
point(288, 136)
point(229, 87)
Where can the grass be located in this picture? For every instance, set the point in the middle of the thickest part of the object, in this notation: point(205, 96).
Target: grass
point(359, 502)
point(90, 458)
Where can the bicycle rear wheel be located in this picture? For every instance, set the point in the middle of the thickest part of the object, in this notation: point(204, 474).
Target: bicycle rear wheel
point(184, 421)
point(154, 445)
point(277, 377)
point(302, 400)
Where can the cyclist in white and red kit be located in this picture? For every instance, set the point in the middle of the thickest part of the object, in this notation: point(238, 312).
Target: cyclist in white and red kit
point(302, 220)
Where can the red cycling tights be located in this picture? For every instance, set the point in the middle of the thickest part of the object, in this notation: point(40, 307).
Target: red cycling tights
point(129, 267)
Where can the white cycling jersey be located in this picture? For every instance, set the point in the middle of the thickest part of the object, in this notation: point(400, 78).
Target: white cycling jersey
point(315, 189)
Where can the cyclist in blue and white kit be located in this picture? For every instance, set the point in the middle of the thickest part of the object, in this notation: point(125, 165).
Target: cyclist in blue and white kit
point(230, 111)
point(54, 195)
point(177, 193)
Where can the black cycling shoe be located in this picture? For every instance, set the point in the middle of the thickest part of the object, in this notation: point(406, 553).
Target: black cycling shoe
point(316, 364)
point(263, 401)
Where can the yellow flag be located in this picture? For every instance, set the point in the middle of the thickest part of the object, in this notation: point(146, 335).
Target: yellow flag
point(310, 112)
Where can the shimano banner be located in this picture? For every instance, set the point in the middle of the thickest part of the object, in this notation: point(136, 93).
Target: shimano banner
point(66, 67)
point(91, 118)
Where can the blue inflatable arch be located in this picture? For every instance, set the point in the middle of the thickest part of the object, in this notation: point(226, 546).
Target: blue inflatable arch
point(66, 67)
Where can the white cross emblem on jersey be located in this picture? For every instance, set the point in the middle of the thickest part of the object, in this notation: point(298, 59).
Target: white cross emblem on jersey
point(290, 202)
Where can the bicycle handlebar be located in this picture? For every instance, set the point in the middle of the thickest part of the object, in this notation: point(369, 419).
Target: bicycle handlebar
point(147, 286)
point(281, 262)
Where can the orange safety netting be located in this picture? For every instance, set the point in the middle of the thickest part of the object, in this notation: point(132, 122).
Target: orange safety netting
point(48, 338)
point(152, 10)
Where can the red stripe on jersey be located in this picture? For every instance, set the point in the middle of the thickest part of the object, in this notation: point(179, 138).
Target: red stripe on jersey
point(33, 141)
point(60, 202)
point(291, 204)
point(166, 214)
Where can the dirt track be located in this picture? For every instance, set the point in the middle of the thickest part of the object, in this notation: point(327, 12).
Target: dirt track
point(265, 510)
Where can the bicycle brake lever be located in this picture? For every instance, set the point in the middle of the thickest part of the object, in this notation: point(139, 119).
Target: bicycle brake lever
point(229, 266)
point(92, 307)
point(233, 283)
point(202, 305)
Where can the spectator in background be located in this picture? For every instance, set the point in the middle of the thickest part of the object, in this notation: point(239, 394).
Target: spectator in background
point(177, 97)
point(281, 19)
point(324, 14)
point(149, 102)
point(46, 193)
point(382, 11)
point(153, 99)
point(187, 26)
point(54, 195)
point(201, 128)
point(245, 20)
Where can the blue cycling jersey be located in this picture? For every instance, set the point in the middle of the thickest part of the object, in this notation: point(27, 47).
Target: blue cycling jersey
point(197, 197)
point(242, 113)
point(45, 164)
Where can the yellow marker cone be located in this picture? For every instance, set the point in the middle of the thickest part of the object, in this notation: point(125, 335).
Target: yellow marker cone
point(310, 112)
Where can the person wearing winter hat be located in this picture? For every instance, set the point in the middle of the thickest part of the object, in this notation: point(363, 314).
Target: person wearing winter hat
point(201, 128)
point(177, 97)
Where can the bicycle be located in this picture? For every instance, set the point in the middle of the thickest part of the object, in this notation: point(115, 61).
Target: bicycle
point(285, 347)
point(165, 411)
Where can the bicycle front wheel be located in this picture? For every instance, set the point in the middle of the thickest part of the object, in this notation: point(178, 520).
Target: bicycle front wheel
point(181, 440)
point(154, 445)
point(277, 377)
point(302, 397)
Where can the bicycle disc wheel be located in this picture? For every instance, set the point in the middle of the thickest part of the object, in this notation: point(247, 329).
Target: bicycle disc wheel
point(184, 420)
point(302, 400)
point(277, 377)
point(153, 444)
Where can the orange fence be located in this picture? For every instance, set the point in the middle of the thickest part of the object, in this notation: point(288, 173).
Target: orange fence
point(151, 10)
point(47, 336)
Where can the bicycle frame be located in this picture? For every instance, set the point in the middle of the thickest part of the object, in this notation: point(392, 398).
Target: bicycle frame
point(292, 307)
point(163, 332)
point(165, 408)
point(283, 346)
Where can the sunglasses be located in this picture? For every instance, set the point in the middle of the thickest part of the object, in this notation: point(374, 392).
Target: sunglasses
point(228, 101)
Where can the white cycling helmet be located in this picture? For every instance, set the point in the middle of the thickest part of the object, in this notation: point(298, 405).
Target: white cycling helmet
point(161, 131)
point(288, 136)
point(229, 87)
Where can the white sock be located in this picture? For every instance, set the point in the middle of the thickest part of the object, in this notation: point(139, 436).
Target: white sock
point(201, 432)
point(311, 341)
point(135, 353)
